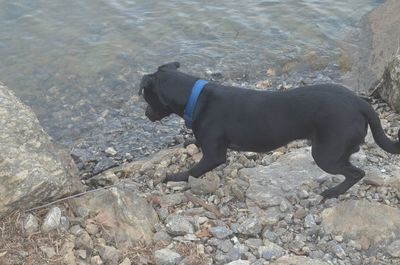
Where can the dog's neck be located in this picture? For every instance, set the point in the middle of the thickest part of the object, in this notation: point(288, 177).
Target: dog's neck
point(178, 98)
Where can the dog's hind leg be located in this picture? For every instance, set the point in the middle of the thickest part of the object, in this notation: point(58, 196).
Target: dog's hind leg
point(333, 157)
point(352, 175)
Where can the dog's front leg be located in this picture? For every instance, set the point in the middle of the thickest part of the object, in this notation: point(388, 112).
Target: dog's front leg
point(213, 156)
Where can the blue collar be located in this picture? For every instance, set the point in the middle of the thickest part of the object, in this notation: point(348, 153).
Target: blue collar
point(191, 104)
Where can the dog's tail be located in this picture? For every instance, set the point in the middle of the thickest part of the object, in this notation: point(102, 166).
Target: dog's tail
point(378, 133)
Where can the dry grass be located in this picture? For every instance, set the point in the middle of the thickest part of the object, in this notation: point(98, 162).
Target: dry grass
point(18, 248)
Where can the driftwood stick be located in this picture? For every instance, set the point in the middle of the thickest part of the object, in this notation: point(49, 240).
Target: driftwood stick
point(71, 197)
point(202, 203)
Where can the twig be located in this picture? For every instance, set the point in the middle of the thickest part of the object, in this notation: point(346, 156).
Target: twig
point(72, 197)
point(203, 204)
point(377, 87)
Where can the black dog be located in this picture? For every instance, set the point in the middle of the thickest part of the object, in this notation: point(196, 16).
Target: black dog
point(333, 118)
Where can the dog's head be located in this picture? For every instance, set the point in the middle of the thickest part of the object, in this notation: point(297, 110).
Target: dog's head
point(150, 87)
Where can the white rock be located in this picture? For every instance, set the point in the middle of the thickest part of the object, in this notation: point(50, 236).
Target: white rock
point(52, 220)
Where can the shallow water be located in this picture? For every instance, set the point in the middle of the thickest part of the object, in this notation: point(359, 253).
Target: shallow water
point(78, 63)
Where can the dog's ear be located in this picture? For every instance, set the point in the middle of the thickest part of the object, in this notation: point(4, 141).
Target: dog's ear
point(172, 66)
point(147, 82)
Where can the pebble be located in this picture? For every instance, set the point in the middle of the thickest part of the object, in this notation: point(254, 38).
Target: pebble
point(48, 251)
point(178, 225)
point(111, 151)
point(250, 227)
point(110, 255)
point(126, 261)
point(166, 257)
point(30, 224)
point(96, 260)
point(270, 250)
point(394, 249)
point(309, 221)
point(52, 220)
point(220, 232)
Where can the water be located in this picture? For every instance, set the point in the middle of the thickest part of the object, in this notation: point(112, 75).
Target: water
point(78, 63)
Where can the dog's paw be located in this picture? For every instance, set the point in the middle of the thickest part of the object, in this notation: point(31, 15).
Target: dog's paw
point(181, 176)
point(329, 194)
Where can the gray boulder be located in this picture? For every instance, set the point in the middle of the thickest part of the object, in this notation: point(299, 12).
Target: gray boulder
point(360, 218)
point(122, 211)
point(32, 168)
point(270, 185)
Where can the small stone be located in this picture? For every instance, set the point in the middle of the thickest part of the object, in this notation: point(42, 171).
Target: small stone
point(355, 245)
point(394, 249)
point(159, 175)
point(339, 252)
point(374, 179)
point(110, 255)
point(192, 149)
point(239, 262)
point(309, 221)
point(52, 220)
point(166, 257)
point(225, 246)
point(48, 251)
point(300, 213)
point(264, 84)
point(339, 239)
point(76, 230)
point(84, 241)
point(92, 228)
point(284, 206)
point(126, 261)
point(270, 250)
point(64, 223)
point(178, 225)
point(303, 194)
point(31, 224)
point(251, 227)
point(162, 236)
point(364, 242)
point(253, 243)
point(220, 232)
point(96, 260)
point(81, 253)
point(207, 184)
point(111, 151)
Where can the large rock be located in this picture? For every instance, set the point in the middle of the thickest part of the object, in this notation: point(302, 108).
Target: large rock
point(32, 168)
point(377, 42)
point(360, 218)
point(122, 211)
point(390, 87)
point(270, 185)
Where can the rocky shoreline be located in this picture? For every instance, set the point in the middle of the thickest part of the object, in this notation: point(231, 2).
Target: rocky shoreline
point(258, 209)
